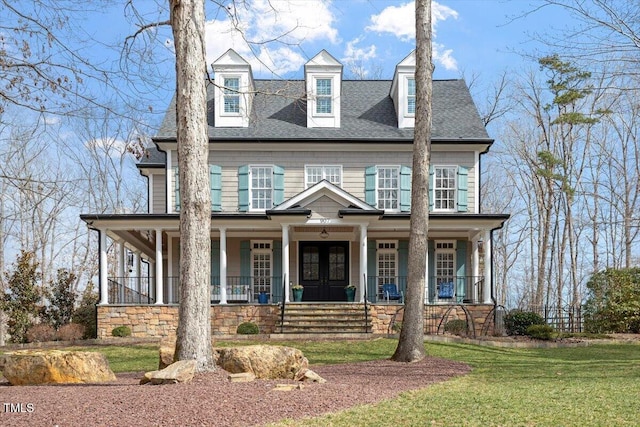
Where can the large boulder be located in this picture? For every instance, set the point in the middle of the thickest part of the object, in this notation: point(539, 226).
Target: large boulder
point(181, 371)
point(30, 367)
point(264, 361)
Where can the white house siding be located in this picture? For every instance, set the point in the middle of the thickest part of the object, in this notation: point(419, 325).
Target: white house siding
point(324, 207)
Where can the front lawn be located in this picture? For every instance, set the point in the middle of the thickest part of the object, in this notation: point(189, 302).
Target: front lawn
point(596, 385)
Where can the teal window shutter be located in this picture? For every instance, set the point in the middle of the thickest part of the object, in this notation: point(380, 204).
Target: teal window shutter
point(461, 272)
point(403, 264)
point(430, 186)
point(370, 174)
point(431, 279)
point(176, 188)
point(215, 182)
point(215, 262)
point(276, 283)
point(405, 189)
point(463, 184)
point(243, 188)
point(372, 270)
point(278, 185)
point(245, 262)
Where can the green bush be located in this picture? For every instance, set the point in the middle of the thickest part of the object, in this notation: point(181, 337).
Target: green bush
point(247, 328)
point(516, 322)
point(85, 314)
point(456, 327)
point(613, 298)
point(540, 332)
point(121, 331)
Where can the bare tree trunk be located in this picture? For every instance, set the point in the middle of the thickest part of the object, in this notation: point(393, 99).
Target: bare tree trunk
point(411, 343)
point(194, 325)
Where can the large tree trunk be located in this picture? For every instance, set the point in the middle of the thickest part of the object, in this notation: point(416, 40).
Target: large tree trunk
point(411, 343)
point(194, 325)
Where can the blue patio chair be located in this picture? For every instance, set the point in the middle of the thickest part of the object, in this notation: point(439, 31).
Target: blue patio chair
point(390, 292)
point(445, 290)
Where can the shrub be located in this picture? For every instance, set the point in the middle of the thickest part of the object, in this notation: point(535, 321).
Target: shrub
point(247, 328)
point(613, 298)
point(41, 333)
point(85, 314)
point(456, 327)
point(121, 331)
point(396, 327)
point(70, 332)
point(540, 332)
point(517, 322)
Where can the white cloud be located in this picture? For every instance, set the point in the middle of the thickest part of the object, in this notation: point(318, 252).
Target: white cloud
point(400, 21)
point(263, 24)
point(354, 53)
point(108, 147)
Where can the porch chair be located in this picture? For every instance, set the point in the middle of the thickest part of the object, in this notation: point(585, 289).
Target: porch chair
point(445, 290)
point(390, 292)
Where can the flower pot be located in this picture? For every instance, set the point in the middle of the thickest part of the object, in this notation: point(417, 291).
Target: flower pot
point(297, 294)
point(263, 298)
point(351, 294)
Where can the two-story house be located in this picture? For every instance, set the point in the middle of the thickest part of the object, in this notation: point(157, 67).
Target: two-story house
point(310, 185)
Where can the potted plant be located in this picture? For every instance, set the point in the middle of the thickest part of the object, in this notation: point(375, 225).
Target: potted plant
point(297, 290)
point(350, 290)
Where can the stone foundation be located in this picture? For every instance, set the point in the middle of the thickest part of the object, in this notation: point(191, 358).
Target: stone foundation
point(161, 321)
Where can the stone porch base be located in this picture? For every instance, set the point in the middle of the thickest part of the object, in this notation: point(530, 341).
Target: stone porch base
point(159, 321)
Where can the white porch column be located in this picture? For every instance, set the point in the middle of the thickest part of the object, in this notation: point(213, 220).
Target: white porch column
point(104, 280)
point(122, 260)
point(285, 261)
point(159, 282)
point(223, 265)
point(170, 276)
point(138, 261)
point(486, 297)
point(363, 260)
point(475, 268)
point(426, 276)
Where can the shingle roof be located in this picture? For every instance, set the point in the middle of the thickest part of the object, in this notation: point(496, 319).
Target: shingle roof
point(279, 113)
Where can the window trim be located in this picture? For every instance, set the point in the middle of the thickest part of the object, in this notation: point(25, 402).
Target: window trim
point(408, 113)
point(316, 96)
point(224, 94)
point(433, 190)
point(398, 169)
point(308, 184)
point(251, 189)
point(382, 279)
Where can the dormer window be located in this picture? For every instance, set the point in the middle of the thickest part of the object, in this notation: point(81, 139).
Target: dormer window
point(232, 95)
point(411, 96)
point(324, 96)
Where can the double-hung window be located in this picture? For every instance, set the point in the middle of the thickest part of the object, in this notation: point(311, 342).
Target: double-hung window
point(324, 92)
point(261, 187)
point(411, 96)
point(444, 188)
point(388, 187)
point(231, 95)
point(316, 173)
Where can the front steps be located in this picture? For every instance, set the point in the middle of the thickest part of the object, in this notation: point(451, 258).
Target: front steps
point(325, 318)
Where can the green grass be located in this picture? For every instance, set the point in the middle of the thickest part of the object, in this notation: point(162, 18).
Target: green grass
point(597, 385)
point(132, 358)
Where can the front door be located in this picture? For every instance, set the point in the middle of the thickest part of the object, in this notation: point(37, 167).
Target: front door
point(324, 270)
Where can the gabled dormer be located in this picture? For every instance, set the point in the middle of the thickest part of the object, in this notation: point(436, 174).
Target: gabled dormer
point(234, 90)
point(403, 91)
point(323, 77)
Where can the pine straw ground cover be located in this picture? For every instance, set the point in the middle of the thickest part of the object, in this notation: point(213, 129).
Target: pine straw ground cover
point(596, 385)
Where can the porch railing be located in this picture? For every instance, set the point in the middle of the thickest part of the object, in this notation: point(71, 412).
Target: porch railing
point(440, 289)
point(141, 290)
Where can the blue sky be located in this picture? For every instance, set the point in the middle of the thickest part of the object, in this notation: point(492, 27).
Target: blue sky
point(470, 36)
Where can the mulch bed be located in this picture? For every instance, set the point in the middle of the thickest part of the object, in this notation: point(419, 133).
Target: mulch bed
point(210, 399)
